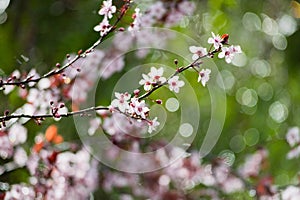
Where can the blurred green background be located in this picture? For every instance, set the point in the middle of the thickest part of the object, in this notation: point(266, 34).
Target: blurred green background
point(262, 84)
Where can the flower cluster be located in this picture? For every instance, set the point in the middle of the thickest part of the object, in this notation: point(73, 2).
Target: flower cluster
point(67, 171)
point(137, 23)
point(107, 10)
point(185, 174)
point(10, 146)
point(253, 164)
point(175, 84)
point(293, 139)
point(134, 108)
point(218, 43)
point(56, 174)
point(153, 78)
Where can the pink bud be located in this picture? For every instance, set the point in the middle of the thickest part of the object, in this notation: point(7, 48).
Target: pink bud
point(136, 92)
point(158, 101)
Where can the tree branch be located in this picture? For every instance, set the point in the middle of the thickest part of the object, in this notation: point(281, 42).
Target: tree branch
point(178, 71)
point(80, 54)
point(43, 116)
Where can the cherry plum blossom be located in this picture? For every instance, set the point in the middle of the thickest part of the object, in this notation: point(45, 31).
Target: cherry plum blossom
point(229, 52)
point(204, 76)
point(107, 9)
point(215, 40)
point(198, 52)
point(175, 84)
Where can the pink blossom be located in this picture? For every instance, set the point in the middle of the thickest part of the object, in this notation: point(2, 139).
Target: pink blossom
point(153, 77)
point(294, 153)
point(20, 191)
point(137, 23)
point(10, 88)
point(229, 53)
point(291, 193)
point(147, 21)
point(65, 175)
point(118, 125)
point(252, 165)
point(156, 75)
point(44, 83)
point(233, 184)
point(146, 81)
point(123, 41)
point(204, 76)
point(94, 125)
point(187, 7)
point(44, 97)
point(216, 40)
point(293, 136)
point(107, 9)
point(104, 27)
point(173, 18)
point(152, 125)
point(6, 147)
point(126, 197)
point(20, 156)
point(121, 102)
point(157, 10)
point(175, 84)
point(32, 163)
point(198, 52)
point(17, 134)
point(139, 108)
point(113, 62)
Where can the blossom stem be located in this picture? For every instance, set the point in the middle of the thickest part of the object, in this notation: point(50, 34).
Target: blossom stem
point(56, 71)
point(92, 109)
point(178, 71)
point(43, 116)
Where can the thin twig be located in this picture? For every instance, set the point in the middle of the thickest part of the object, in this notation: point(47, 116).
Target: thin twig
point(77, 57)
point(178, 71)
point(92, 109)
point(43, 116)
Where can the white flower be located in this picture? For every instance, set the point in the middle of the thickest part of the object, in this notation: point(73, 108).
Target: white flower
point(291, 193)
point(294, 153)
point(6, 147)
point(121, 102)
point(153, 77)
point(198, 52)
point(9, 88)
point(152, 125)
point(71, 164)
point(216, 40)
point(17, 134)
point(136, 24)
point(20, 191)
point(114, 62)
point(229, 52)
point(175, 84)
point(204, 76)
point(187, 7)
point(139, 108)
point(233, 184)
point(107, 9)
point(293, 136)
point(157, 10)
point(20, 157)
point(146, 81)
point(253, 164)
point(94, 125)
point(156, 75)
point(44, 83)
point(104, 27)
